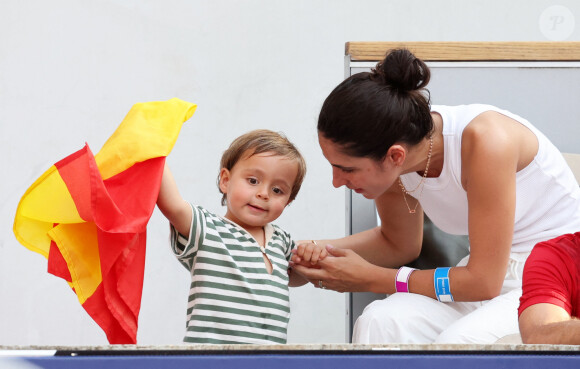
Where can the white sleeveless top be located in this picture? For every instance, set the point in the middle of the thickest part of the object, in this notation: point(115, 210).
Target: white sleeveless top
point(547, 194)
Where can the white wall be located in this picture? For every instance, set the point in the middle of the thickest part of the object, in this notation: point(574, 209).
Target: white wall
point(70, 70)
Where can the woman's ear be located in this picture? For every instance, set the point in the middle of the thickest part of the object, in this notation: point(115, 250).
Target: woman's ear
point(396, 155)
point(224, 180)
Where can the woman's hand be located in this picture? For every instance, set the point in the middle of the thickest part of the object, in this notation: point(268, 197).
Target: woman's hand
point(342, 271)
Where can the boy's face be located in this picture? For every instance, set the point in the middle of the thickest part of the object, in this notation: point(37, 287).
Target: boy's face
point(258, 188)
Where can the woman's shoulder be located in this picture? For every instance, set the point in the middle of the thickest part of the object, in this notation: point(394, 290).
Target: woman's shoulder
point(488, 129)
point(492, 137)
point(494, 125)
point(457, 117)
point(464, 108)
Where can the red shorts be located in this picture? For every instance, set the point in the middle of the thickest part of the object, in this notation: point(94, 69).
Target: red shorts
point(552, 273)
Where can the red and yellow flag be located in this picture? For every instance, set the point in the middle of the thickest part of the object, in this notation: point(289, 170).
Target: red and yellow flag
point(88, 214)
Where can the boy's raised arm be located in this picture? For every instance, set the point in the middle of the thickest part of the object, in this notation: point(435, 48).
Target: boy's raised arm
point(172, 205)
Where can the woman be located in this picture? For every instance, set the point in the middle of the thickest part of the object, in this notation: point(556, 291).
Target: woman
point(474, 170)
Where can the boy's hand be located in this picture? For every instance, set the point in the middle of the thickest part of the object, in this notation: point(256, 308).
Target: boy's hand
point(308, 252)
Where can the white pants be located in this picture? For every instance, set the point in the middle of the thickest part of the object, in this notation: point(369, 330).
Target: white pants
point(413, 318)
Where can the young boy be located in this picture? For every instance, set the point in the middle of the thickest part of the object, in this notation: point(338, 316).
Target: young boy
point(239, 262)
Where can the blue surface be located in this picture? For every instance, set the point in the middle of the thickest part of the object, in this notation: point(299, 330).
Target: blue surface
point(322, 361)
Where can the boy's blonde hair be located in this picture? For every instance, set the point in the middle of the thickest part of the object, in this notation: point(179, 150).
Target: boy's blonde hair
point(260, 141)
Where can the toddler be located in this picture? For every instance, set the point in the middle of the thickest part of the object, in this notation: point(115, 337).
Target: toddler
point(239, 262)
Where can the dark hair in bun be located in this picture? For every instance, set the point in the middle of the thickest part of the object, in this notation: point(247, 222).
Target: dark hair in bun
point(370, 111)
point(402, 70)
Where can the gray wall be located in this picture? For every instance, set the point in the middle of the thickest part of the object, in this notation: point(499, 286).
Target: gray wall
point(70, 70)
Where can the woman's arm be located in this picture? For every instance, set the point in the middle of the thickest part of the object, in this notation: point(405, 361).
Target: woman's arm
point(395, 242)
point(491, 156)
point(172, 205)
point(494, 148)
point(363, 261)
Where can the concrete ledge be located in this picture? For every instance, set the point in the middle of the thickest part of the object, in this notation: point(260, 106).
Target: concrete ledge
point(289, 349)
point(320, 356)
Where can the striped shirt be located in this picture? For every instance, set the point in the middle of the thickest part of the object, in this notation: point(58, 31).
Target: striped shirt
point(233, 299)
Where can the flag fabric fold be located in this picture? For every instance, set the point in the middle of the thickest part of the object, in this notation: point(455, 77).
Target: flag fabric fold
point(88, 214)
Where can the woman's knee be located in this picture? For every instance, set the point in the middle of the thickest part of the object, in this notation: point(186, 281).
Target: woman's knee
point(370, 324)
point(391, 310)
point(393, 320)
point(465, 334)
point(455, 334)
point(486, 324)
point(478, 329)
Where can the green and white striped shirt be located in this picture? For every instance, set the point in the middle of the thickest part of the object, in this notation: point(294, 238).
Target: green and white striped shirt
point(233, 299)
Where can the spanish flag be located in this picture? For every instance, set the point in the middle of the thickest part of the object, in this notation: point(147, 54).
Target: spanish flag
point(88, 214)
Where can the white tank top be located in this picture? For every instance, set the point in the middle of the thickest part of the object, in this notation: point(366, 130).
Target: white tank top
point(547, 194)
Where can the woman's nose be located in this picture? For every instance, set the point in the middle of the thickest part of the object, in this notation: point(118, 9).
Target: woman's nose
point(337, 179)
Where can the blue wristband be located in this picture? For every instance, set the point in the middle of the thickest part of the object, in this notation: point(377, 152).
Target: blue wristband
point(441, 282)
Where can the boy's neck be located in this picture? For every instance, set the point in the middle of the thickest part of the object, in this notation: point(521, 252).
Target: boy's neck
point(259, 234)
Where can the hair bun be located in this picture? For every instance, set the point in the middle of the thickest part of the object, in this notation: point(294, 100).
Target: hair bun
point(403, 70)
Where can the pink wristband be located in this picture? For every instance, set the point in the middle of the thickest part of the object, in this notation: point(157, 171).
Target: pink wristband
point(402, 279)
